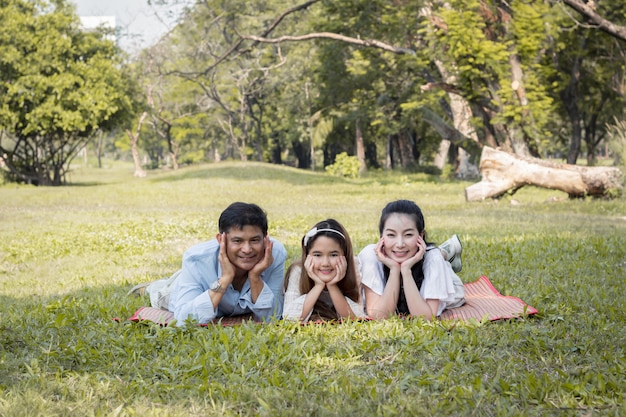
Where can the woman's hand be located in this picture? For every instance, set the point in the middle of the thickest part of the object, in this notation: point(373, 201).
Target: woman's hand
point(419, 255)
point(381, 255)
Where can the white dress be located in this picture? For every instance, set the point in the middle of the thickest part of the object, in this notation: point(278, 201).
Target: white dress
point(440, 281)
point(294, 300)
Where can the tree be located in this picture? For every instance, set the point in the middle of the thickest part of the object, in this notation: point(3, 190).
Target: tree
point(467, 50)
point(419, 80)
point(589, 11)
point(590, 80)
point(505, 173)
point(209, 53)
point(58, 86)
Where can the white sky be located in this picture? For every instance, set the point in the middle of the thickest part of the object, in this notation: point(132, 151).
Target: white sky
point(140, 25)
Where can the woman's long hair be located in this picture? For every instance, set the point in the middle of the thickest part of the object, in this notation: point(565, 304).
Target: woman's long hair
point(349, 285)
point(412, 210)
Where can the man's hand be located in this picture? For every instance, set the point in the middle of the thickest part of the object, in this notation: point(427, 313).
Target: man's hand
point(265, 262)
point(228, 269)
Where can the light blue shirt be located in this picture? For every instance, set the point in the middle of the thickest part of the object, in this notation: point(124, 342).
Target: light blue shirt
point(190, 297)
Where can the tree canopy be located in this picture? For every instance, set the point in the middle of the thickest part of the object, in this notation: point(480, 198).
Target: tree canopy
point(58, 85)
point(396, 83)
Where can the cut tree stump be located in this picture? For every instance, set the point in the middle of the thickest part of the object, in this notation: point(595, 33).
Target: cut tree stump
point(505, 173)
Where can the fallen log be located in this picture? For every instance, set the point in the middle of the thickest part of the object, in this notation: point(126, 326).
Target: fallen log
point(505, 173)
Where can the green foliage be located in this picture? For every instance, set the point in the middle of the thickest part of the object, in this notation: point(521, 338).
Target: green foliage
point(617, 142)
point(588, 82)
point(68, 257)
point(344, 166)
point(278, 102)
point(58, 86)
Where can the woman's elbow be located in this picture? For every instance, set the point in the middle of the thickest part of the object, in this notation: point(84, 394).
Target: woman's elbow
point(378, 314)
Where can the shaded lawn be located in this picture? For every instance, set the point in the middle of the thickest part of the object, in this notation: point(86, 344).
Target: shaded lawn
point(69, 255)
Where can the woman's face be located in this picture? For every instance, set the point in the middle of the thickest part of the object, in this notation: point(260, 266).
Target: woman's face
point(400, 236)
point(325, 253)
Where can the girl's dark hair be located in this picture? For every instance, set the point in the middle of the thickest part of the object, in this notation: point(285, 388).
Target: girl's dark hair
point(349, 285)
point(410, 209)
point(239, 214)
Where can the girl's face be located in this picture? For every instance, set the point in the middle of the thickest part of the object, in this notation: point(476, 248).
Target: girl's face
point(325, 253)
point(400, 236)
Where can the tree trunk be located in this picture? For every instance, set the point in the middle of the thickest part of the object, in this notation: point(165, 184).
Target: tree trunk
point(441, 157)
point(461, 116)
point(134, 137)
point(388, 153)
point(99, 147)
point(467, 170)
point(405, 149)
point(504, 173)
point(360, 147)
point(570, 98)
point(522, 144)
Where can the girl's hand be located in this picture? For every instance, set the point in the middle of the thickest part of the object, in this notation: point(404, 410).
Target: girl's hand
point(340, 268)
point(310, 270)
point(381, 255)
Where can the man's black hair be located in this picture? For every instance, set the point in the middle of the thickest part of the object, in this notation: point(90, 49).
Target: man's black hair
point(239, 214)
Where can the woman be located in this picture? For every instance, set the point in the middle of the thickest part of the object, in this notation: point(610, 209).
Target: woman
point(402, 273)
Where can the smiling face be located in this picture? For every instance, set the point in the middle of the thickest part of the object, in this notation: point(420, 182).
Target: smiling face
point(400, 236)
point(245, 247)
point(325, 253)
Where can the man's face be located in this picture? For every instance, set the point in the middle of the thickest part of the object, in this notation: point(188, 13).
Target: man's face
point(245, 247)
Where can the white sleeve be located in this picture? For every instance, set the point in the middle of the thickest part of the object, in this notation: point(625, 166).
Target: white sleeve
point(440, 281)
point(357, 308)
point(294, 301)
point(371, 270)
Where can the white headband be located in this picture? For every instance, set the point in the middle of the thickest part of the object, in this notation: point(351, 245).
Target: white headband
point(311, 233)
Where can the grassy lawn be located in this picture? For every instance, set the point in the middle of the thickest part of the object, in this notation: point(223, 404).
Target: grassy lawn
point(69, 255)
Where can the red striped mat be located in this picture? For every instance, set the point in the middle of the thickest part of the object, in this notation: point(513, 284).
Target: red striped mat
point(484, 301)
point(164, 317)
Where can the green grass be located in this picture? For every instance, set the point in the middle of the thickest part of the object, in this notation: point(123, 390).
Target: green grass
point(69, 255)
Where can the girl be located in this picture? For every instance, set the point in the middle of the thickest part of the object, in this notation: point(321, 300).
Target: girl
point(324, 283)
point(402, 273)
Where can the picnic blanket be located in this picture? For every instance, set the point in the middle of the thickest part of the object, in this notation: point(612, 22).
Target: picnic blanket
point(165, 317)
point(483, 300)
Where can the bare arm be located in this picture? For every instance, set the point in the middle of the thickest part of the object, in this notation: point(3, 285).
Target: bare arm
point(342, 307)
point(314, 294)
point(384, 305)
point(228, 272)
point(418, 307)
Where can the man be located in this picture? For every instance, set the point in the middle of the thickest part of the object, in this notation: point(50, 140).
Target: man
point(241, 271)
